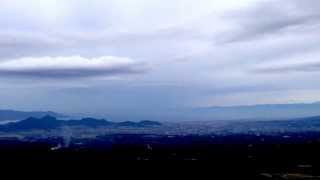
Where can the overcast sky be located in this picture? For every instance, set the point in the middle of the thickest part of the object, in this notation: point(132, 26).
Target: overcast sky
point(136, 56)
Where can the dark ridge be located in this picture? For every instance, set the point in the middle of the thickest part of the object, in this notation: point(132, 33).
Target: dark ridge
point(149, 123)
point(49, 122)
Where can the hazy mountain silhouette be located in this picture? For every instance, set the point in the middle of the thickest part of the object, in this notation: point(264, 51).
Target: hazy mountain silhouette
point(6, 115)
point(256, 112)
point(307, 124)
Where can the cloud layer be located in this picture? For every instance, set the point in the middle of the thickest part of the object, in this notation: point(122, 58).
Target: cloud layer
point(272, 18)
point(69, 67)
point(202, 53)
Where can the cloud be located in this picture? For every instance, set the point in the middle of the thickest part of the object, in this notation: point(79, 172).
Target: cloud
point(290, 68)
point(70, 67)
point(300, 65)
point(270, 18)
point(202, 49)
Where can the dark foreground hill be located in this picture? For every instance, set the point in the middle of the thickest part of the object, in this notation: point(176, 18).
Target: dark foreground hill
point(262, 157)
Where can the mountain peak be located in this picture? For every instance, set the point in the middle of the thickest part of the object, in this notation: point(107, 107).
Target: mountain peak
point(49, 117)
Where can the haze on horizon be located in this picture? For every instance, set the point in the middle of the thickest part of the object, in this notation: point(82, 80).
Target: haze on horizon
point(138, 57)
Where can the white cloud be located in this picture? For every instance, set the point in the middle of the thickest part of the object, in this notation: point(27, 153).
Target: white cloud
point(69, 67)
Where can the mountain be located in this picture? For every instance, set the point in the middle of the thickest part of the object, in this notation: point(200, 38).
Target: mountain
point(50, 123)
point(149, 123)
point(255, 112)
point(213, 113)
point(306, 124)
point(45, 123)
point(6, 115)
point(88, 122)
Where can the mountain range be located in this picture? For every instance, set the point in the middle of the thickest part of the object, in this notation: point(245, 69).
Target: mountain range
point(242, 112)
point(307, 124)
point(50, 123)
point(256, 112)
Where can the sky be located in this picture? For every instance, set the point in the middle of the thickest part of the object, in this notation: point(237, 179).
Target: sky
point(145, 57)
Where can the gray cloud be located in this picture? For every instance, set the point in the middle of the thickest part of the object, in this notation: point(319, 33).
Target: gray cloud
point(270, 18)
point(70, 73)
point(17, 44)
point(304, 67)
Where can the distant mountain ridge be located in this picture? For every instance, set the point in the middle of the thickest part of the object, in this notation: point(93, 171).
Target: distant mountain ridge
point(257, 112)
point(6, 115)
point(307, 124)
point(50, 123)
